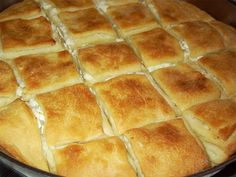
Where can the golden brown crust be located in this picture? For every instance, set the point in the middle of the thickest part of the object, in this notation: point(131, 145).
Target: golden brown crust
point(167, 149)
point(228, 33)
point(83, 25)
point(72, 5)
point(72, 114)
point(185, 86)
point(173, 12)
point(46, 72)
point(115, 2)
point(26, 9)
point(8, 84)
point(106, 157)
point(19, 135)
point(223, 67)
point(132, 101)
point(197, 35)
point(157, 46)
point(132, 18)
point(217, 126)
point(21, 34)
point(108, 60)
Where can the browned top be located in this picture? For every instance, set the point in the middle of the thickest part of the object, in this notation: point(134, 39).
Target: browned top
point(173, 12)
point(8, 84)
point(106, 157)
point(85, 22)
point(42, 73)
point(223, 66)
point(106, 60)
point(26, 34)
point(228, 33)
point(19, 135)
point(72, 5)
point(132, 16)
point(24, 9)
point(72, 114)
point(201, 38)
point(132, 101)
point(167, 149)
point(185, 86)
point(116, 2)
point(218, 115)
point(157, 46)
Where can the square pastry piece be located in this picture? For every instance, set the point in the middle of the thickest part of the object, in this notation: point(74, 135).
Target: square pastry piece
point(228, 33)
point(222, 67)
point(70, 5)
point(215, 124)
point(8, 84)
point(26, 9)
point(171, 12)
point(87, 27)
point(20, 136)
point(107, 60)
point(167, 149)
point(22, 37)
point(71, 115)
point(157, 48)
point(132, 18)
point(131, 101)
point(104, 157)
point(46, 72)
point(185, 86)
point(201, 38)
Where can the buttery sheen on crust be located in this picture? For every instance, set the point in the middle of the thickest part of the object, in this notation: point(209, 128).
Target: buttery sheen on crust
point(71, 5)
point(108, 60)
point(167, 149)
point(215, 124)
point(71, 114)
point(223, 67)
point(185, 86)
point(105, 157)
point(26, 9)
point(22, 37)
point(46, 72)
point(172, 12)
point(19, 135)
point(131, 101)
point(87, 27)
point(105, 3)
point(157, 47)
point(8, 84)
point(200, 37)
point(132, 18)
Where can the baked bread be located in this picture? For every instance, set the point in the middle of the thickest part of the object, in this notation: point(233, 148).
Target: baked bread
point(116, 87)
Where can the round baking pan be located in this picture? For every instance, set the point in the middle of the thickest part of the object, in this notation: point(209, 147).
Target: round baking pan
point(33, 172)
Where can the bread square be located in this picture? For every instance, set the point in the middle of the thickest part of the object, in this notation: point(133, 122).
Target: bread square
point(196, 35)
point(103, 61)
point(157, 47)
point(185, 86)
point(172, 12)
point(87, 26)
point(215, 124)
point(20, 136)
point(71, 115)
point(131, 101)
point(132, 18)
point(167, 149)
point(23, 37)
point(8, 84)
point(105, 157)
point(222, 67)
point(46, 72)
point(27, 9)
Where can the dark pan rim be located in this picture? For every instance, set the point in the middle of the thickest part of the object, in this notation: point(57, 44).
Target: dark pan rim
point(9, 161)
